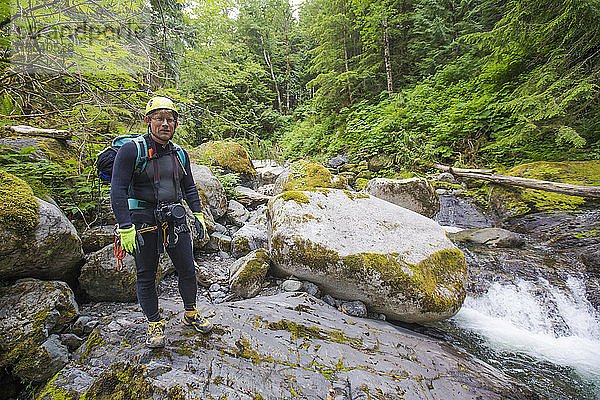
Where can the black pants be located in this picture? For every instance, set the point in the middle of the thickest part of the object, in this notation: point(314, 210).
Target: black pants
point(146, 261)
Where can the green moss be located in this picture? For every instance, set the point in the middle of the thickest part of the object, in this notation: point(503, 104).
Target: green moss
point(356, 195)
point(299, 331)
point(573, 172)
point(295, 195)
point(360, 183)
point(18, 206)
point(241, 245)
point(51, 391)
point(121, 382)
point(245, 350)
point(305, 175)
point(93, 341)
point(227, 154)
point(255, 269)
point(421, 282)
point(176, 393)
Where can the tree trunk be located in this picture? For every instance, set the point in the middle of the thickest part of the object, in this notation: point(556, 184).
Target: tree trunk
point(287, 69)
point(557, 187)
point(346, 66)
point(270, 65)
point(387, 57)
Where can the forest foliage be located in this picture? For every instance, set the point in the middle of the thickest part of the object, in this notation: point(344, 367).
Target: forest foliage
point(463, 82)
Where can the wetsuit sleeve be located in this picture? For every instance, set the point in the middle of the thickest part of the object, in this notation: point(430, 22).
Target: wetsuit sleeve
point(123, 168)
point(190, 191)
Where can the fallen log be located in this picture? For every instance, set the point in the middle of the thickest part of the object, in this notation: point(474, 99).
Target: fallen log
point(549, 186)
point(50, 133)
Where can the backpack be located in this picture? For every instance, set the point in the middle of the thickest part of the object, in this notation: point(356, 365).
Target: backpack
point(106, 158)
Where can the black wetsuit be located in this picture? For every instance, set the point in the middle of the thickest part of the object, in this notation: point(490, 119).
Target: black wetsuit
point(166, 179)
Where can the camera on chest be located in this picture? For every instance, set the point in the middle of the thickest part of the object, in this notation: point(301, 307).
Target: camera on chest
point(170, 212)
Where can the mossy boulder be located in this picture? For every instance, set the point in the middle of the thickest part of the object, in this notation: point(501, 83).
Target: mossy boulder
point(31, 311)
point(305, 175)
point(416, 194)
point(229, 156)
point(18, 206)
point(36, 238)
point(359, 247)
point(247, 274)
point(101, 280)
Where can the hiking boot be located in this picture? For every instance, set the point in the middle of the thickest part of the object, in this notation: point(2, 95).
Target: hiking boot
point(156, 334)
point(195, 320)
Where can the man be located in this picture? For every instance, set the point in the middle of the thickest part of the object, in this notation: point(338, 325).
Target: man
point(147, 205)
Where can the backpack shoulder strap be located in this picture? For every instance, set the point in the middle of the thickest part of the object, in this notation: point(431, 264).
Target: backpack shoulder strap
point(142, 152)
point(180, 153)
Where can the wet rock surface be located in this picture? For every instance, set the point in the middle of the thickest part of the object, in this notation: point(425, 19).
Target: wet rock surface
point(283, 346)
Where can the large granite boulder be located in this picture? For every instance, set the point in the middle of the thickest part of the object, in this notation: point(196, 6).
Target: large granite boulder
point(359, 247)
point(416, 194)
point(212, 188)
point(31, 313)
point(36, 238)
point(247, 274)
point(229, 156)
point(101, 280)
point(279, 347)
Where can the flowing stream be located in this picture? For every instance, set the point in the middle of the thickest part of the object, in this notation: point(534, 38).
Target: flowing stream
point(544, 336)
point(529, 318)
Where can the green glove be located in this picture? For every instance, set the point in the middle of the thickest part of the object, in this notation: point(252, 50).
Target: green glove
point(128, 239)
point(200, 225)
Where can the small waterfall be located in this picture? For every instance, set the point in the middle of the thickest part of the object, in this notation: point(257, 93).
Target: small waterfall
point(541, 322)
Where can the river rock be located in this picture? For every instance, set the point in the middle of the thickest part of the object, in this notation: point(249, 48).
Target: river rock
point(359, 247)
point(212, 188)
point(269, 174)
point(492, 237)
point(96, 238)
point(416, 194)
point(291, 285)
point(52, 251)
point(337, 161)
point(248, 273)
point(101, 280)
point(30, 312)
point(237, 213)
point(248, 238)
point(250, 198)
point(354, 308)
point(278, 347)
point(251, 236)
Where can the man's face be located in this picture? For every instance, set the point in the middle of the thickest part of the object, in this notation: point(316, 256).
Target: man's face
point(162, 125)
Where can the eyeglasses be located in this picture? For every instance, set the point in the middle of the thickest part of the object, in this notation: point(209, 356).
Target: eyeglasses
point(160, 120)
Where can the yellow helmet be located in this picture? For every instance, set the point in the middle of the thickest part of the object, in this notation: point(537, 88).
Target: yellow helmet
point(160, 103)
